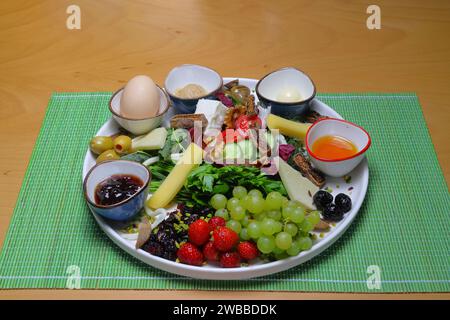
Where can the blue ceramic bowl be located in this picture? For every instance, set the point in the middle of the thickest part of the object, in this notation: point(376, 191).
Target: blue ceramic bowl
point(288, 91)
point(126, 209)
point(186, 74)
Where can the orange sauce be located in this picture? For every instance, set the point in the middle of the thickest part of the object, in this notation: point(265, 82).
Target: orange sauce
point(333, 148)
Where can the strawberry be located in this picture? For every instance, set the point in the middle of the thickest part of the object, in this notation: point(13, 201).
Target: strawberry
point(210, 252)
point(230, 260)
point(224, 239)
point(198, 232)
point(215, 222)
point(190, 254)
point(247, 250)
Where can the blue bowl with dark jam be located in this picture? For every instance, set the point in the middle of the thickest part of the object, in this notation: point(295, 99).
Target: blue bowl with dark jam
point(191, 74)
point(117, 189)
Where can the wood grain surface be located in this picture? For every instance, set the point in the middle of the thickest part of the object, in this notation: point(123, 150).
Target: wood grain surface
point(119, 39)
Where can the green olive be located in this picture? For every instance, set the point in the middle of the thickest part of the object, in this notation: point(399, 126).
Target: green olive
point(108, 155)
point(100, 144)
point(122, 144)
point(240, 93)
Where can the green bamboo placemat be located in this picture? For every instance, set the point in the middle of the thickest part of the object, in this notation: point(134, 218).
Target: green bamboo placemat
point(402, 228)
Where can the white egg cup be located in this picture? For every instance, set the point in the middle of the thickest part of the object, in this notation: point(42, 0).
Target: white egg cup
point(139, 126)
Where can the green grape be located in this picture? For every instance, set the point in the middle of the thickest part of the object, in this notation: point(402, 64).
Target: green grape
point(244, 234)
point(281, 256)
point(306, 226)
point(239, 192)
point(284, 202)
point(297, 215)
point(274, 201)
point(245, 221)
point(287, 211)
point(218, 201)
point(313, 217)
point(232, 203)
point(277, 250)
point(260, 216)
point(293, 204)
point(255, 204)
point(268, 226)
point(243, 202)
point(274, 214)
point(278, 226)
point(234, 225)
point(254, 229)
point(294, 249)
point(266, 244)
point(291, 228)
point(237, 213)
point(304, 243)
point(223, 213)
point(283, 240)
point(255, 193)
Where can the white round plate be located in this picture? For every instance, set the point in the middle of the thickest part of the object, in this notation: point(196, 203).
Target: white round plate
point(359, 182)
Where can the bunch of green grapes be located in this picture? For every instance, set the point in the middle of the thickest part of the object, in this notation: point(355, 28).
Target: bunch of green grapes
point(279, 227)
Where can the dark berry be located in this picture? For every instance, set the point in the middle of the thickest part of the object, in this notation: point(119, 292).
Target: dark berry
point(343, 202)
point(322, 199)
point(332, 213)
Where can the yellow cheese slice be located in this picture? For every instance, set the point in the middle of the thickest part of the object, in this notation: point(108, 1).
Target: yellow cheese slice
point(287, 127)
point(191, 158)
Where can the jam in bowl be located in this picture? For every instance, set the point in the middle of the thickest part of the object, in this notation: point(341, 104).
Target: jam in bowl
point(117, 189)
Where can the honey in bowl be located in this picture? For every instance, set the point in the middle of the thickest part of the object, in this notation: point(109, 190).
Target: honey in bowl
point(332, 147)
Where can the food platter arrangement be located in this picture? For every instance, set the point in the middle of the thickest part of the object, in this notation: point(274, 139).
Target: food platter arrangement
point(224, 178)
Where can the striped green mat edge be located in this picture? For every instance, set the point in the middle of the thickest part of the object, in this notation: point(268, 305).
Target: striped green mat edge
point(402, 230)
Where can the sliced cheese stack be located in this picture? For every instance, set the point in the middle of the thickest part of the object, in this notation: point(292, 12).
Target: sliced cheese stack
point(297, 186)
point(191, 158)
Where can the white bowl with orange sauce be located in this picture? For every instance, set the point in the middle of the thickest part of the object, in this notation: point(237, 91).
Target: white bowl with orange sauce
point(336, 146)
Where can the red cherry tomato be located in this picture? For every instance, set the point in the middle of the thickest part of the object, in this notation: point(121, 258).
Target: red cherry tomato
point(245, 123)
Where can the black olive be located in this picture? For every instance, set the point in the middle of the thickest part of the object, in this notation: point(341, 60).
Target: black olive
point(343, 202)
point(322, 199)
point(332, 213)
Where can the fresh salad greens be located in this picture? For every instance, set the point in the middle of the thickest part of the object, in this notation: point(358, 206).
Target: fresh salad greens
point(138, 156)
point(177, 141)
point(207, 180)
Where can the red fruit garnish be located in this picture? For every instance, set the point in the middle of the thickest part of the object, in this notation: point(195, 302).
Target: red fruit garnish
point(198, 232)
point(210, 252)
point(230, 260)
point(225, 239)
point(247, 250)
point(215, 222)
point(245, 123)
point(190, 254)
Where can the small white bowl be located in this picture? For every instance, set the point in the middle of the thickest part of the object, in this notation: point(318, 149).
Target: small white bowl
point(186, 74)
point(289, 78)
point(139, 126)
point(342, 128)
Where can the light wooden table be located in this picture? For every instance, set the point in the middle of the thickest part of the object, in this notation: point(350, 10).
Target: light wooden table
point(119, 39)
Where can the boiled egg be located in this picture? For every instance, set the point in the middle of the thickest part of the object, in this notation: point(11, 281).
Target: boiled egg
point(140, 98)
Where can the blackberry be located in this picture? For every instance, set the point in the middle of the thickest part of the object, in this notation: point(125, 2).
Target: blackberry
point(332, 213)
point(343, 202)
point(322, 198)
